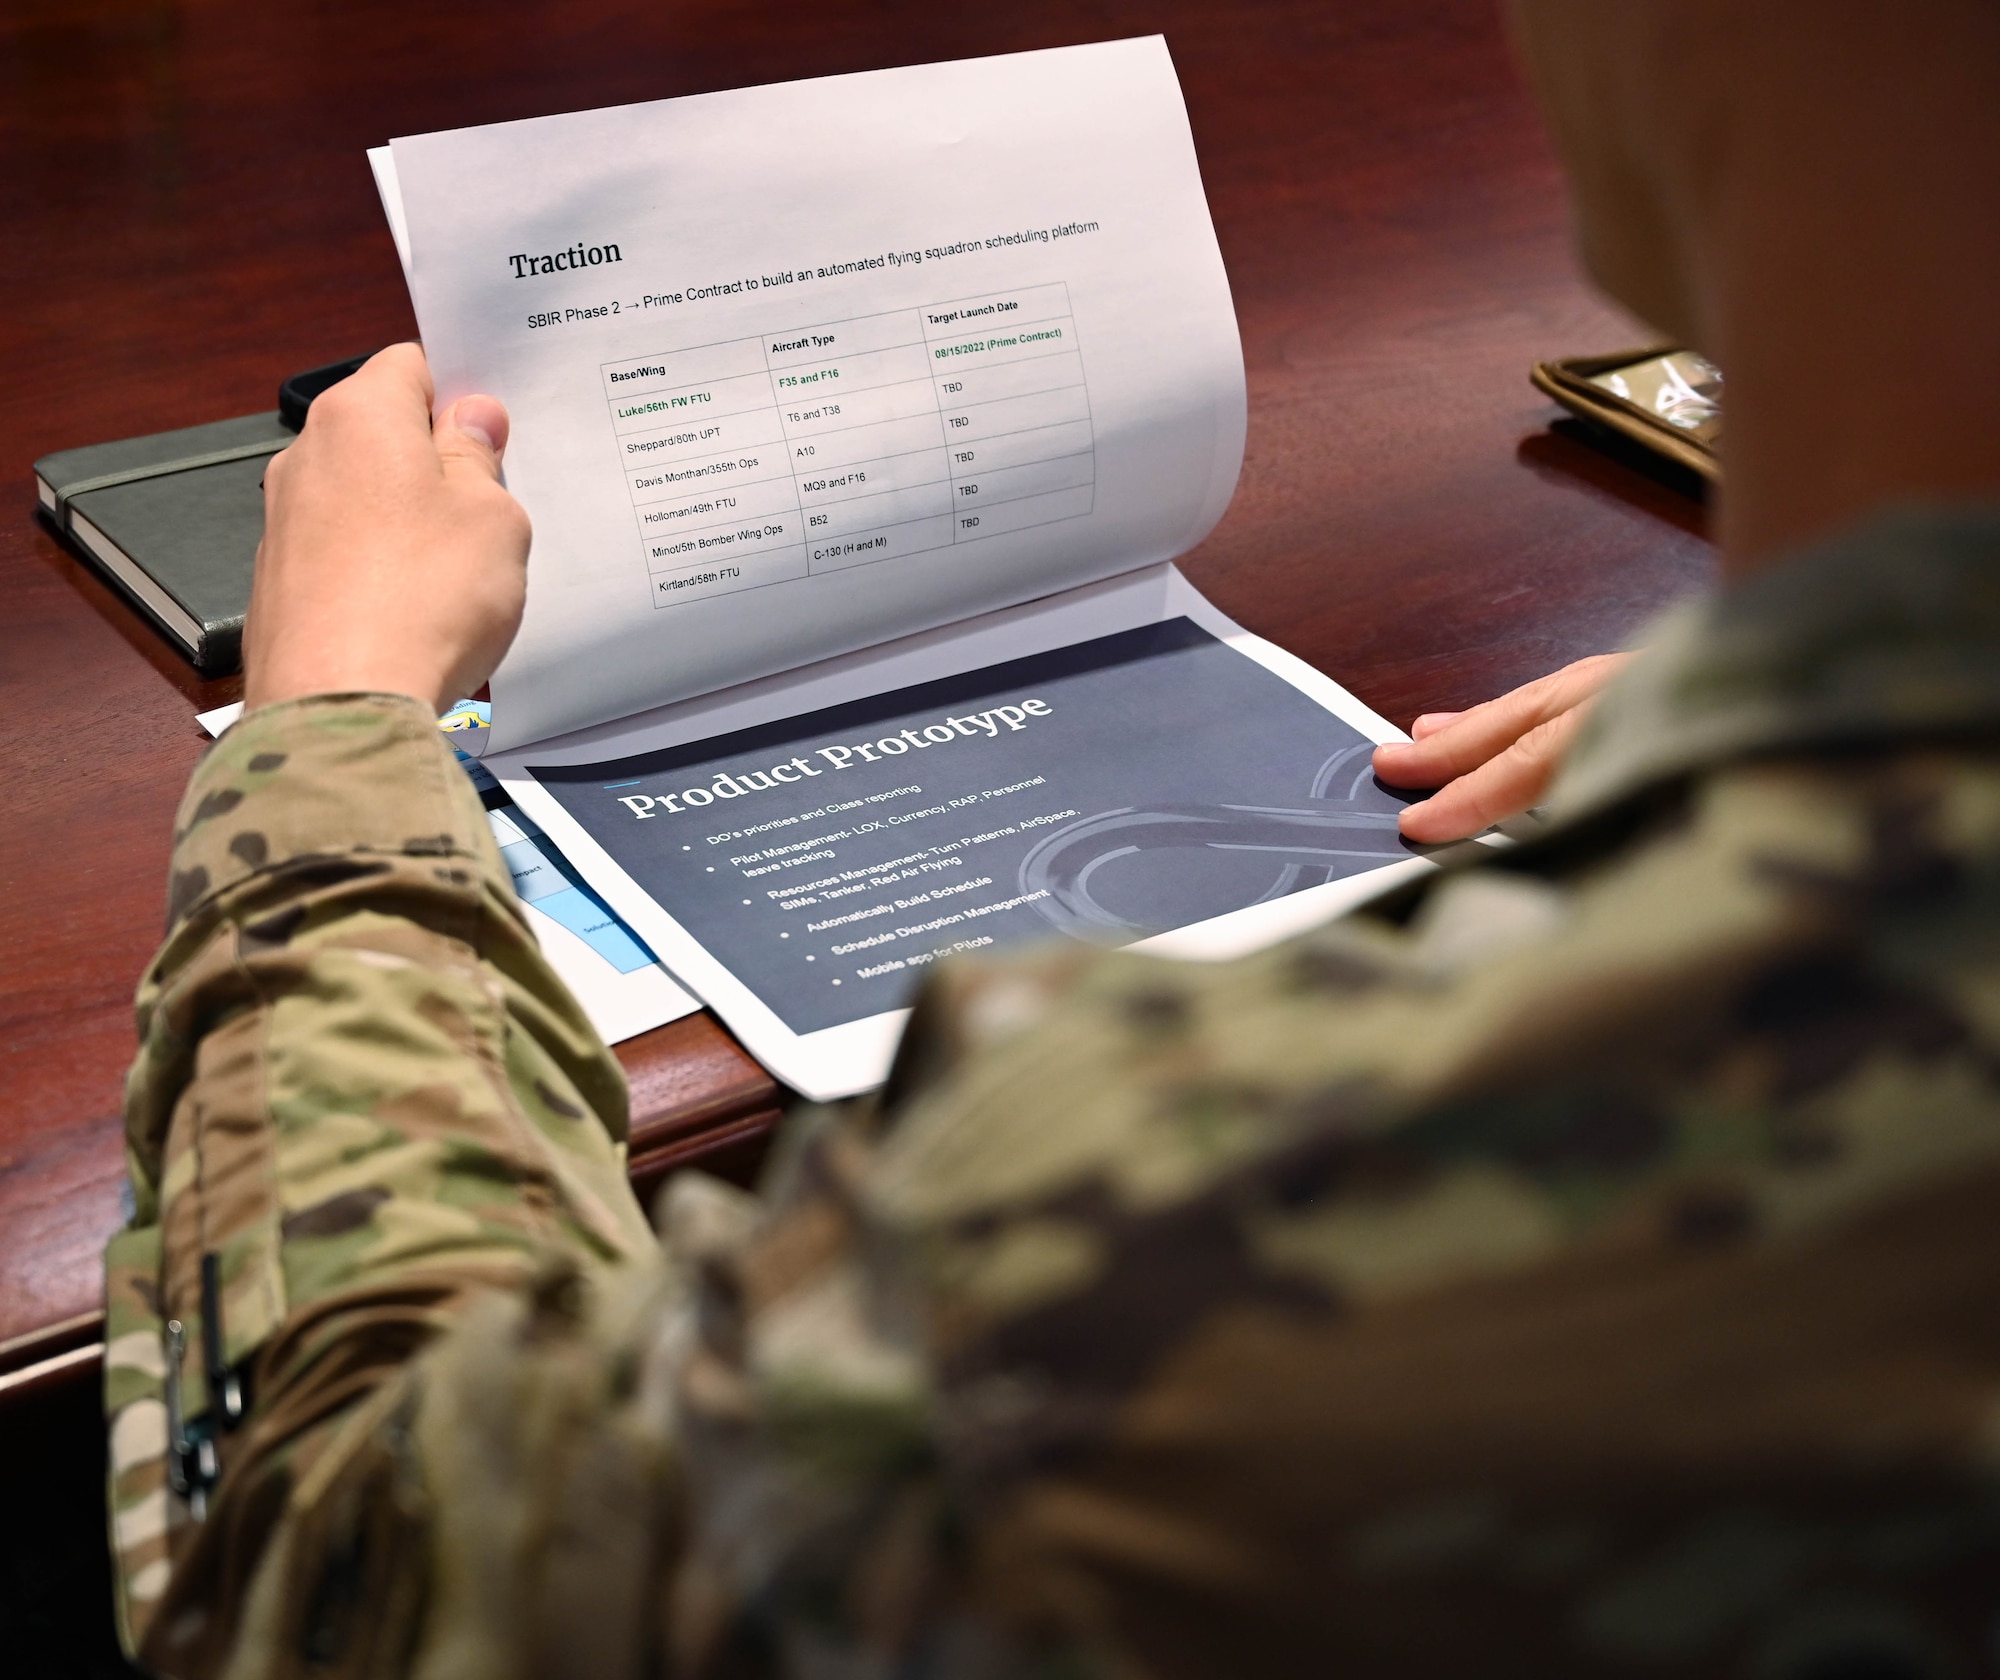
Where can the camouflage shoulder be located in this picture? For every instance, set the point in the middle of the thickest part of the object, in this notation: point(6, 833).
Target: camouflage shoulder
point(1526, 1062)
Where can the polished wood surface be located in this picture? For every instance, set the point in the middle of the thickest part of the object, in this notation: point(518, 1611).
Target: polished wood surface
point(188, 218)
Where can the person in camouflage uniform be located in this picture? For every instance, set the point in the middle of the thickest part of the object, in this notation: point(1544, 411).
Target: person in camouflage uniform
point(1579, 1262)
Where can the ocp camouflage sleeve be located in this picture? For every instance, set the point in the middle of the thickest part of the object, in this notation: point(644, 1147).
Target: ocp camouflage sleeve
point(360, 1097)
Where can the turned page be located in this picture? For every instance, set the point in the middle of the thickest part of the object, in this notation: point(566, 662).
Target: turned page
point(797, 370)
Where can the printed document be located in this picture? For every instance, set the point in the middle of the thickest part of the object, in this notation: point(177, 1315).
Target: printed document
point(797, 369)
point(860, 421)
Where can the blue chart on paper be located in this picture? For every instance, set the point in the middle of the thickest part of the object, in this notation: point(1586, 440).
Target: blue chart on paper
point(542, 875)
point(542, 878)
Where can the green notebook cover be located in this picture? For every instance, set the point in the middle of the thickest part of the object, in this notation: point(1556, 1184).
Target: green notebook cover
point(178, 533)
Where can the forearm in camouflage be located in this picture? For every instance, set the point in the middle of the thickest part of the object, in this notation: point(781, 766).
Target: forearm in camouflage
point(360, 1096)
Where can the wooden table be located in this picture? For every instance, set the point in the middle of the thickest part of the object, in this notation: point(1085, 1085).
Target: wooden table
point(188, 218)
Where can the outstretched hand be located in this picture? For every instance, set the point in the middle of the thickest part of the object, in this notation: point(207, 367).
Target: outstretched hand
point(1496, 760)
point(393, 559)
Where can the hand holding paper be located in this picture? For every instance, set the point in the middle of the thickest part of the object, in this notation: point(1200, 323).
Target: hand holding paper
point(392, 559)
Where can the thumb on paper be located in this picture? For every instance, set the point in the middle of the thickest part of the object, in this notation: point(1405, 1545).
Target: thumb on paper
point(472, 432)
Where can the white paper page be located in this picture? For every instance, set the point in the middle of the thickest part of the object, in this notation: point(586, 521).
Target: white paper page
point(798, 369)
point(382, 163)
point(854, 1054)
point(623, 997)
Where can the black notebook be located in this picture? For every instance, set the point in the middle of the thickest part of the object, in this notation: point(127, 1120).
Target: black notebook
point(174, 520)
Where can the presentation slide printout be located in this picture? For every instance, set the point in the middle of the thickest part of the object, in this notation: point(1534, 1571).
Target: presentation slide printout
point(1109, 790)
point(1119, 765)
